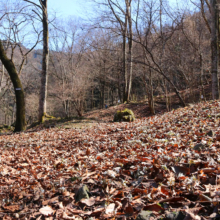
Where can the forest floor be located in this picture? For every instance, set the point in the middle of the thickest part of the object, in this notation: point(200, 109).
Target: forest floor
point(165, 166)
point(91, 118)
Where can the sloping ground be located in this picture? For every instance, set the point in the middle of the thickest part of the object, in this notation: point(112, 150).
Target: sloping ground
point(161, 167)
point(140, 110)
point(91, 118)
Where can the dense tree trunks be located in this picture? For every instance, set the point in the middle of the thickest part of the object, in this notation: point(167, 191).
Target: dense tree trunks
point(78, 107)
point(45, 61)
point(20, 124)
point(214, 48)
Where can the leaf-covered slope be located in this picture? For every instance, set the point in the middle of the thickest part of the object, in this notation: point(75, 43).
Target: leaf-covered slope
point(157, 167)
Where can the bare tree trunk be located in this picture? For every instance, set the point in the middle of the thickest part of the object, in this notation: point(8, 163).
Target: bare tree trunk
point(92, 97)
point(45, 61)
point(124, 60)
point(214, 48)
point(112, 96)
point(150, 90)
point(130, 47)
point(2, 77)
point(202, 75)
point(102, 96)
point(151, 95)
point(20, 124)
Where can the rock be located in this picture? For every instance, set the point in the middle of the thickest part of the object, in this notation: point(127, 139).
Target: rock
point(126, 115)
point(82, 193)
point(210, 133)
point(175, 216)
point(145, 215)
point(199, 147)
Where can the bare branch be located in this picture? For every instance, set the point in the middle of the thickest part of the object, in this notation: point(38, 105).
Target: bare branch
point(204, 16)
point(33, 4)
point(37, 14)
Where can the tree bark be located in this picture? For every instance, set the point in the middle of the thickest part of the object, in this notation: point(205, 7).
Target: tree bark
point(45, 61)
point(124, 60)
point(202, 76)
point(214, 48)
point(20, 124)
point(130, 47)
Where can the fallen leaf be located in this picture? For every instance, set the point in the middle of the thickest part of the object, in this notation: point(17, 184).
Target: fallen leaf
point(47, 210)
point(110, 209)
point(89, 202)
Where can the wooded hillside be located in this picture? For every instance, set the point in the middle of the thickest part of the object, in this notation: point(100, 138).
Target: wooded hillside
point(129, 51)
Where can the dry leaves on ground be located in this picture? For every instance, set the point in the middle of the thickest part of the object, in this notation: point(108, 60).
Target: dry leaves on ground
point(157, 167)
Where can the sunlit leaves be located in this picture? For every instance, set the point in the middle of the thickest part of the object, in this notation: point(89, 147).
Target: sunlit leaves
point(149, 165)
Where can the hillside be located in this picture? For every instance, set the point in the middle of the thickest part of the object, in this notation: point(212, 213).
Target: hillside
point(159, 167)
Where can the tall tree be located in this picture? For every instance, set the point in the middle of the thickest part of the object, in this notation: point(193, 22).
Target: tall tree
point(120, 16)
point(130, 48)
point(45, 58)
point(214, 48)
point(20, 124)
point(15, 18)
point(214, 29)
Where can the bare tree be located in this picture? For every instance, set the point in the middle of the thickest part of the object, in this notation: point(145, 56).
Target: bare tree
point(215, 48)
point(213, 27)
point(69, 67)
point(20, 124)
point(105, 62)
point(45, 60)
point(148, 36)
point(117, 16)
point(13, 54)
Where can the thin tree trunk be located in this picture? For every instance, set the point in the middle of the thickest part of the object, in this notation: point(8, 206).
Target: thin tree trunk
point(151, 95)
point(20, 124)
point(103, 96)
point(166, 94)
point(92, 100)
point(3, 73)
point(112, 97)
point(45, 61)
point(202, 75)
point(119, 90)
point(124, 60)
point(130, 47)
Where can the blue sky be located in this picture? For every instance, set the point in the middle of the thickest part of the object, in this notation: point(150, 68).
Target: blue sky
point(68, 7)
point(81, 8)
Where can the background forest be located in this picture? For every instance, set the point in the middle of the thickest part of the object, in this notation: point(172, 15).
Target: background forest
point(125, 51)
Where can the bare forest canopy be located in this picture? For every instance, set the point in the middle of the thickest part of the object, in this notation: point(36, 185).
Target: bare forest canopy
point(125, 51)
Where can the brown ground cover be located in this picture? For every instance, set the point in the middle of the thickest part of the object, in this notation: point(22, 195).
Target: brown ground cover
point(161, 167)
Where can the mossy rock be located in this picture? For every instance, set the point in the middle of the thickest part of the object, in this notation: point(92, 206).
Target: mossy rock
point(82, 193)
point(126, 115)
